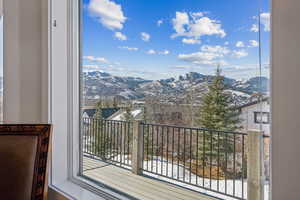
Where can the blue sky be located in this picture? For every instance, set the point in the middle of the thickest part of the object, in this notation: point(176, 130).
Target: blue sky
point(166, 38)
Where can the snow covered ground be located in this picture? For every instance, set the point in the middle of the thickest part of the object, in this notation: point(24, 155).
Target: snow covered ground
point(190, 180)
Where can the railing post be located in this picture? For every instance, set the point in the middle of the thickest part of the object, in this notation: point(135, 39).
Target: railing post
point(255, 171)
point(137, 148)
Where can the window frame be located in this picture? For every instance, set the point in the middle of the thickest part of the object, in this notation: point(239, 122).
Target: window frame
point(256, 119)
point(64, 104)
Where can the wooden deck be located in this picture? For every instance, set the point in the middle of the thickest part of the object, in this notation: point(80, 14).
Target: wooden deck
point(138, 187)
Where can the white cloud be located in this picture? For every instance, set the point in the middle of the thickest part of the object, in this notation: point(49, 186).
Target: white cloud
point(265, 19)
point(254, 28)
point(208, 55)
point(159, 22)
point(88, 68)
point(151, 51)
point(253, 43)
point(196, 26)
point(215, 49)
point(129, 48)
point(182, 67)
point(240, 44)
point(226, 43)
point(96, 59)
point(190, 41)
point(180, 21)
point(120, 36)
point(145, 36)
point(165, 52)
point(108, 13)
point(197, 14)
point(239, 53)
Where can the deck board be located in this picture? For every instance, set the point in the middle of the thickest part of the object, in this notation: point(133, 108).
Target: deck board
point(139, 187)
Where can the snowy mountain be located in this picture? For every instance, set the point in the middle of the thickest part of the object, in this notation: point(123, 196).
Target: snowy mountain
point(184, 89)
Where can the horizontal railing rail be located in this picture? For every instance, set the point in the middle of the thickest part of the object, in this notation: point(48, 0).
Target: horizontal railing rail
point(195, 128)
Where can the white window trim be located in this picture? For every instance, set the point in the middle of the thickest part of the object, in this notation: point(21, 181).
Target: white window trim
point(64, 105)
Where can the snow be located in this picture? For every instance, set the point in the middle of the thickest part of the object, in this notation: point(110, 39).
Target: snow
point(238, 93)
point(136, 112)
point(120, 116)
point(190, 180)
point(127, 94)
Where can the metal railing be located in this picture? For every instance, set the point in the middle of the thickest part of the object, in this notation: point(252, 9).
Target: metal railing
point(204, 158)
point(108, 140)
point(196, 158)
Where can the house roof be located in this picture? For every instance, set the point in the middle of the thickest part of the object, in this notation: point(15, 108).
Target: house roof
point(253, 103)
point(106, 112)
point(90, 112)
point(121, 113)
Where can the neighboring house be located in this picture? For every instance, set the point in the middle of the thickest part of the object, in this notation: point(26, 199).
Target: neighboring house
point(256, 115)
point(137, 114)
point(106, 112)
point(88, 113)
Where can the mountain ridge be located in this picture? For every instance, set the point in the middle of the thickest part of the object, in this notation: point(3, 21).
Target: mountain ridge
point(99, 84)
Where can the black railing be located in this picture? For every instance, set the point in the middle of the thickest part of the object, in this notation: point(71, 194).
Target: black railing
point(108, 140)
point(208, 159)
point(196, 158)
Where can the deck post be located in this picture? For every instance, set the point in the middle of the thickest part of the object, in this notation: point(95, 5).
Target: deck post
point(255, 171)
point(137, 148)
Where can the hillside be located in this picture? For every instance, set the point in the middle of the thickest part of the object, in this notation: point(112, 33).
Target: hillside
point(184, 89)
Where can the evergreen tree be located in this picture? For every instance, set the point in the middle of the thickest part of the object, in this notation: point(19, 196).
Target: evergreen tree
point(218, 113)
point(99, 107)
point(100, 140)
point(115, 102)
point(128, 116)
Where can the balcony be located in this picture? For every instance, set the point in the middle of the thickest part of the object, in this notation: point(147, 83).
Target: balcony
point(137, 159)
point(135, 186)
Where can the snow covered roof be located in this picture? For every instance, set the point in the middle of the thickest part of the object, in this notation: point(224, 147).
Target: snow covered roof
point(106, 112)
point(253, 103)
point(120, 115)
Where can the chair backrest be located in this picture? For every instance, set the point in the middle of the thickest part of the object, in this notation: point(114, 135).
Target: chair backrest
point(23, 161)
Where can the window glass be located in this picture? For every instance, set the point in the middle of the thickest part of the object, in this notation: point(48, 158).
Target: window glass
point(191, 78)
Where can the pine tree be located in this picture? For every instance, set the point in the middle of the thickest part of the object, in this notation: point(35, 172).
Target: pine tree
point(128, 116)
point(217, 113)
point(115, 102)
point(99, 107)
point(101, 140)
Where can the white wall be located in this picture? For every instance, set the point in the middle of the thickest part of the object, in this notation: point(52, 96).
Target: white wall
point(286, 99)
point(25, 60)
point(247, 116)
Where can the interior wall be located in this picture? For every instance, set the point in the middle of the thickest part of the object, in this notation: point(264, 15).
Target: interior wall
point(25, 61)
point(285, 99)
point(25, 70)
